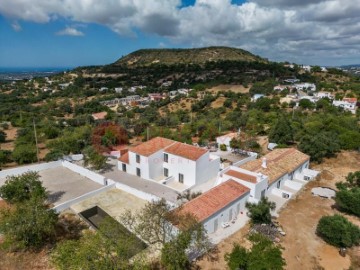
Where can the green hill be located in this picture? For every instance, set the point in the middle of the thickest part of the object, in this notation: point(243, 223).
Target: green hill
point(147, 57)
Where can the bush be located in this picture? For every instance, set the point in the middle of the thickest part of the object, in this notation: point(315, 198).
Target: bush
point(21, 188)
point(223, 147)
point(24, 153)
point(260, 212)
point(338, 231)
point(30, 225)
point(2, 136)
point(349, 201)
point(264, 254)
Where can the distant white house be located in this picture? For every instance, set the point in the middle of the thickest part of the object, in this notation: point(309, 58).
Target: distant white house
point(226, 139)
point(256, 97)
point(162, 159)
point(305, 86)
point(119, 90)
point(324, 95)
point(348, 104)
point(306, 68)
point(64, 85)
point(102, 89)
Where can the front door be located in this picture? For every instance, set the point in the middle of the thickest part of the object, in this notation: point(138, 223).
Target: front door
point(230, 215)
point(216, 225)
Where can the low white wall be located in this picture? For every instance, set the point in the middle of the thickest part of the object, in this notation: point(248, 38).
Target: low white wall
point(245, 160)
point(24, 169)
point(293, 185)
point(84, 172)
point(279, 192)
point(138, 193)
point(67, 204)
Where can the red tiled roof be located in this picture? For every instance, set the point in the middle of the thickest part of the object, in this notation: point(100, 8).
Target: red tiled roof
point(351, 100)
point(152, 146)
point(243, 176)
point(125, 158)
point(99, 116)
point(214, 200)
point(185, 150)
point(279, 162)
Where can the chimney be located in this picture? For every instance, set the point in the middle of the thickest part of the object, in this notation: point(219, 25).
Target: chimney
point(264, 163)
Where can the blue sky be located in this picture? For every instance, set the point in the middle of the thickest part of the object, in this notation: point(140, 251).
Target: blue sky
point(68, 33)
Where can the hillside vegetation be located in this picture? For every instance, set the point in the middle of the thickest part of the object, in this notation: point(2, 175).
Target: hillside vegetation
point(147, 57)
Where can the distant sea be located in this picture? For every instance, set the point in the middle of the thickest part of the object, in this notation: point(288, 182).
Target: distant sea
point(21, 73)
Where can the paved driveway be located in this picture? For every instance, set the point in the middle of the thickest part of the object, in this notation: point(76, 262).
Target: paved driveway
point(141, 184)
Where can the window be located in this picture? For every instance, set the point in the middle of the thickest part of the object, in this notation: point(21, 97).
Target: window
point(166, 172)
point(124, 167)
point(278, 184)
point(137, 159)
point(138, 172)
point(166, 157)
point(181, 178)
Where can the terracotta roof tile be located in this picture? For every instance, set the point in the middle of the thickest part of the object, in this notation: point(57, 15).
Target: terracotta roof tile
point(99, 115)
point(242, 176)
point(125, 158)
point(212, 201)
point(279, 162)
point(152, 146)
point(185, 150)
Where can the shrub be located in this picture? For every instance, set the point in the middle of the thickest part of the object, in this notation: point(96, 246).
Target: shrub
point(264, 254)
point(21, 188)
point(223, 147)
point(260, 212)
point(338, 231)
point(349, 200)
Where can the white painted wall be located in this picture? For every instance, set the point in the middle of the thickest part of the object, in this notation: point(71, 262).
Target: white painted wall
point(224, 214)
point(177, 165)
point(207, 167)
point(24, 169)
point(84, 172)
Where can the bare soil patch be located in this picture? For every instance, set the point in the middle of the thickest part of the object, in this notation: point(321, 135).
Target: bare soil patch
point(237, 88)
point(303, 249)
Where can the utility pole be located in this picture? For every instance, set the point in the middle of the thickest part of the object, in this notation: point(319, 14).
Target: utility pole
point(36, 141)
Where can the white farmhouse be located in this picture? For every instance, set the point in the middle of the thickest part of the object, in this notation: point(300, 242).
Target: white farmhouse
point(286, 169)
point(219, 205)
point(161, 159)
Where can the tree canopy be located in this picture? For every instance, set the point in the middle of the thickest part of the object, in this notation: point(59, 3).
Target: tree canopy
point(21, 188)
point(260, 212)
point(338, 231)
point(264, 254)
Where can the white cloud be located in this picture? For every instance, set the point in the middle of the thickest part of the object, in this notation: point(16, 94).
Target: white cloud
point(70, 31)
point(16, 26)
point(295, 30)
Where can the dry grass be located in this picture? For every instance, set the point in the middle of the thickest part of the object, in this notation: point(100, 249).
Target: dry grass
point(236, 88)
point(303, 249)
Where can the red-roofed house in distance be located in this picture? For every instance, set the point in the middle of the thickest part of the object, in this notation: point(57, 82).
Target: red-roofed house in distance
point(176, 164)
point(99, 115)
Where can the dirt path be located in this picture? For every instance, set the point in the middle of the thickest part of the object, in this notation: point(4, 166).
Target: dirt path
point(237, 88)
point(303, 249)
